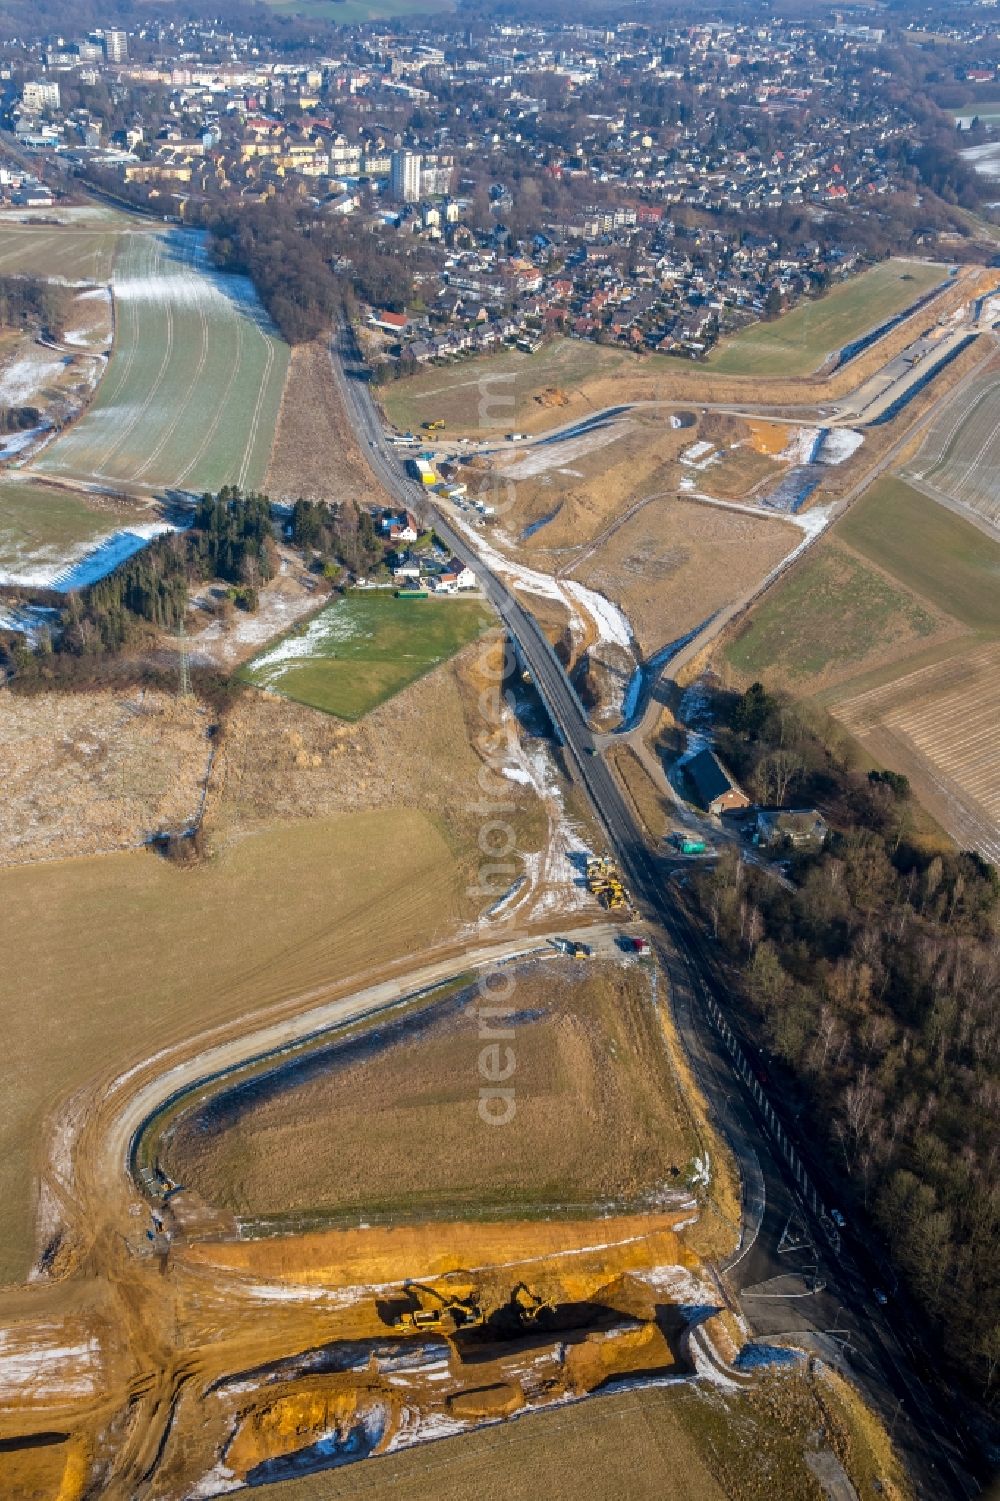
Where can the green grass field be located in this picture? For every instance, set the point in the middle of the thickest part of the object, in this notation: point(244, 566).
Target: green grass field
point(897, 571)
point(798, 342)
point(830, 610)
point(363, 649)
point(929, 549)
point(40, 527)
point(495, 392)
point(78, 252)
point(191, 396)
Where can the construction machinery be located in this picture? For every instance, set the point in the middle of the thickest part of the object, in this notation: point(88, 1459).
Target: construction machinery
point(435, 426)
point(572, 948)
point(437, 1312)
point(528, 1304)
point(604, 882)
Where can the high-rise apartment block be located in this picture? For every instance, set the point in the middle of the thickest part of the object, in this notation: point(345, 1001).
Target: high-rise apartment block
point(404, 177)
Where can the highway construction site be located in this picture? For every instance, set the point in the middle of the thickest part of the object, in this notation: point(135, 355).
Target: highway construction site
point(160, 1349)
point(199, 1320)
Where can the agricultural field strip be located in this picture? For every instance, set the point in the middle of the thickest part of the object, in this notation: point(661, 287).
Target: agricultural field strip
point(815, 330)
point(221, 406)
point(184, 340)
point(126, 430)
point(960, 458)
point(265, 378)
point(171, 427)
point(68, 253)
point(952, 727)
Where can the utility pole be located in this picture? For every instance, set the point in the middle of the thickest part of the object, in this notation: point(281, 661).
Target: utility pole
point(184, 665)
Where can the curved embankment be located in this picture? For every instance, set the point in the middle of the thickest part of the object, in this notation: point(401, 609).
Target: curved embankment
point(144, 1155)
point(96, 1138)
point(792, 399)
point(166, 1331)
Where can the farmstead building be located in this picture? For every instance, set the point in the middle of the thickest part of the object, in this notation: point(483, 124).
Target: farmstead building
point(714, 787)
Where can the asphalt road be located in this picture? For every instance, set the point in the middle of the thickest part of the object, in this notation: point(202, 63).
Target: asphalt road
point(795, 1275)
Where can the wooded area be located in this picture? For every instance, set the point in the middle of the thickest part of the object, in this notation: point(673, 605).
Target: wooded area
point(28, 303)
point(306, 267)
point(232, 538)
point(875, 981)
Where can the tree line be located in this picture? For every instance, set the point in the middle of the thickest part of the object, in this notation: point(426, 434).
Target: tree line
point(338, 536)
point(283, 255)
point(874, 982)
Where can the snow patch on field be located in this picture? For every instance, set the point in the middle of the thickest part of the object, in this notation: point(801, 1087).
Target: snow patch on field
point(28, 620)
point(558, 451)
point(552, 877)
point(419, 1428)
point(839, 445)
point(25, 377)
point(328, 629)
point(36, 1364)
point(612, 626)
point(609, 621)
point(276, 613)
point(801, 447)
point(15, 443)
point(89, 563)
point(219, 1481)
point(188, 279)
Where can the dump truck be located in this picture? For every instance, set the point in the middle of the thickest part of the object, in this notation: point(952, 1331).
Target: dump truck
point(450, 1314)
point(572, 949)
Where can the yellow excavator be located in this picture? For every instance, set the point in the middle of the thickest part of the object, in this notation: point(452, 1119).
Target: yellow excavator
point(528, 1303)
point(437, 1312)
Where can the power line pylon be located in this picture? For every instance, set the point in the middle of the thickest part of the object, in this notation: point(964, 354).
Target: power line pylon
point(183, 664)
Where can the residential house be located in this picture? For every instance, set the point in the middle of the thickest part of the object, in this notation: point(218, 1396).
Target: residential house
point(399, 526)
point(456, 576)
point(792, 828)
point(715, 789)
